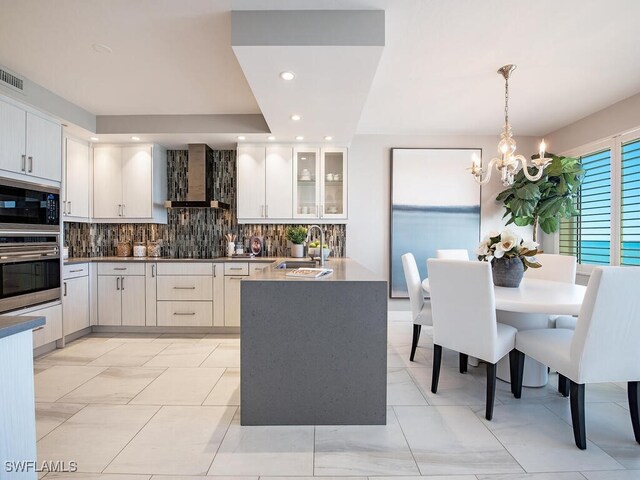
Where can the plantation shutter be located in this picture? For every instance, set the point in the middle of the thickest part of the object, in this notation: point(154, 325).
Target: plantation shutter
point(588, 236)
point(630, 213)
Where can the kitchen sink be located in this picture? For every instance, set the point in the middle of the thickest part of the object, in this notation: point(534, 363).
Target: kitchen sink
point(298, 264)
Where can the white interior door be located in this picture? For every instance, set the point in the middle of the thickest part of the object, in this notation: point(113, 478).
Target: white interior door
point(78, 175)
point(133, 300)
point(107, 182)
point(12, 138)
point(109, 300)
point(279, 183)
point(137, 201)
point(44, 148)
point(251, 182)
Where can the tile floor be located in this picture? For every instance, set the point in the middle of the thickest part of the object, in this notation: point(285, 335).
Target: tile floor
point(141, 407)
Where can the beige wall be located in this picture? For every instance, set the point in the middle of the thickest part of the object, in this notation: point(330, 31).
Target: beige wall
point(369, 169)
point(618, 118)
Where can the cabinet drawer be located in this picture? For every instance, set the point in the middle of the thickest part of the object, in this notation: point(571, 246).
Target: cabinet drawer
point(191, 314)
point(120, 268)
point(258, 267)
point(185, 287)
point(52, 329)
point(77, 270)
point(236, 268)
point(187, 268)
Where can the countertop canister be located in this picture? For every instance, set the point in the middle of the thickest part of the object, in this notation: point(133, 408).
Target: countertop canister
point(139, 249)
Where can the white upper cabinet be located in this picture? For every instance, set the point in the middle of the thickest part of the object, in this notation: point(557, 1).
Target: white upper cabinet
point(306, 187)
point(129, 183)
point(251, 182)
point(265, 183)
point(77, 176)
point(333, 192)
point(30, 143)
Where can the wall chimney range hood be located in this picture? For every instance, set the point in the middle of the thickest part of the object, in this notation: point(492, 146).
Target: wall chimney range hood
point(197, 182)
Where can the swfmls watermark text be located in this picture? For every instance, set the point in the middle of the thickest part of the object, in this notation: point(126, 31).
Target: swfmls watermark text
point(57, 466)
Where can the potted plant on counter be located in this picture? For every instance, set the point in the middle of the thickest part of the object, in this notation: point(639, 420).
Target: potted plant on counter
point(510, 256)
point(297, 236)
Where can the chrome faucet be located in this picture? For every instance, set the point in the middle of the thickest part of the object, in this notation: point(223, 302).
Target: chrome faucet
point(321, 241)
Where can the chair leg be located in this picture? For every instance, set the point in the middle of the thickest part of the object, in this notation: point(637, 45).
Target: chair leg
point(633, 392)
point(464, 361)
point(516, 364)
point(577, 414)
point(491, 390)
point(416, 337)
point(563, 385)
point(435, 372)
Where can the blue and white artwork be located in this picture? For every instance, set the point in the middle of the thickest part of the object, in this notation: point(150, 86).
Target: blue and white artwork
point(435, 204)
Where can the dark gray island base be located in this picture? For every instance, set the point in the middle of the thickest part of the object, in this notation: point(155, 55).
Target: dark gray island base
point(314, 352)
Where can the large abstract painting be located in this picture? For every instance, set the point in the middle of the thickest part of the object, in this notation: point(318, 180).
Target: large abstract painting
point(435, 204)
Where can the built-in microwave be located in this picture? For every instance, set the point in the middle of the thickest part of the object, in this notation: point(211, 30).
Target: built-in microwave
point(26, 206)
point(29, 270)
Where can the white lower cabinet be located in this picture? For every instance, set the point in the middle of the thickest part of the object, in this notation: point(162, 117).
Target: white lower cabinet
point(218, 295)
point(121, 297)
point(151, 296)
point(52, 329)
point(232, 300)
point(187, 313)
point(75, 304)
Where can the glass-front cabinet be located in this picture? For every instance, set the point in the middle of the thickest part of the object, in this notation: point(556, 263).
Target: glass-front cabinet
point(320, 183)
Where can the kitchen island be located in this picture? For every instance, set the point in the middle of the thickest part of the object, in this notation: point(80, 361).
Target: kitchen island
point(314, 351)
point(17, 401)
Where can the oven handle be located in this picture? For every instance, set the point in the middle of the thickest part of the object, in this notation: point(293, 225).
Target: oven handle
point(13, 258)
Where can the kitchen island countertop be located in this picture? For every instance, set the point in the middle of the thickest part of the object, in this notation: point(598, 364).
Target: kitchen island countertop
point(12, 324)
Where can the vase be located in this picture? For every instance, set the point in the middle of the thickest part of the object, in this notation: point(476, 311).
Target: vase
point(507, 272)
point(297, 251)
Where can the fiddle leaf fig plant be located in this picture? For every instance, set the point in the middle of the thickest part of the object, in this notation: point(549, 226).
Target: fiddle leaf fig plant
point(545, 201)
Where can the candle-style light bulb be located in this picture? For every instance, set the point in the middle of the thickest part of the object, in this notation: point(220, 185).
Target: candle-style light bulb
point(543, 147)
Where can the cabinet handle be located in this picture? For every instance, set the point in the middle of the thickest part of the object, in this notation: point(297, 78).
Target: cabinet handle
point(39, 328)
point(184, 313)
point(235, 278)
point(184, 288)
point(153, 271)
point(24, 167)
point(75, 271)
point(30, 164)
point(118, 283)
point(214, 270)
point(123, 212)
point(64, 207)
point(122, 283)
point(69, 207)
point(236, 268)
point(119, 209)
point(65, 289)
point(119, 268)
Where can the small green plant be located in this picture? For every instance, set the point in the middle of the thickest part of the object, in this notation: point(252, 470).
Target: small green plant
point(546, 201)
point(296, 235)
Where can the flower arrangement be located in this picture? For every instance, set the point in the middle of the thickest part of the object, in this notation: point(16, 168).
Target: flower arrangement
point(508, 245)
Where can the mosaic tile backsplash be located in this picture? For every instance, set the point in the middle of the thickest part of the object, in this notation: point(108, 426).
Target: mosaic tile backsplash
point(193, 232)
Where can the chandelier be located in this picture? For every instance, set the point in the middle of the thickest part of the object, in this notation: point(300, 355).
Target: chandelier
point(508, 163)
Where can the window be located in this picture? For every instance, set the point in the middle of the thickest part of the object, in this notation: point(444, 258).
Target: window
point(630, 204)
point(588, 236)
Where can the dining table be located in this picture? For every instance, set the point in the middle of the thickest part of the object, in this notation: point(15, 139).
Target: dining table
point(533, 305)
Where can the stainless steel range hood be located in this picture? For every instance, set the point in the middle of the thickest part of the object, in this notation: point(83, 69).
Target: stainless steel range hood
point(197, 182)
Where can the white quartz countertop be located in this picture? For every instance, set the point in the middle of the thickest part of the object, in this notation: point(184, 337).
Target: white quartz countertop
point(76, 260)
point(344, 270)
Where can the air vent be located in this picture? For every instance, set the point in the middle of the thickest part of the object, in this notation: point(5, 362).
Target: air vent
point(9, 80)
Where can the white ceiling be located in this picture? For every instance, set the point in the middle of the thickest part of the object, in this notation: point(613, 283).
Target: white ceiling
point(436, 74)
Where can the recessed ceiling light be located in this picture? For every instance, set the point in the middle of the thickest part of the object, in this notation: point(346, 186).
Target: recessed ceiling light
point(328, 138)
point(241, 137)
point(271, 137)
point(135, 139)
point(94, 139)
point(295, 117)
point(299, 137)
point(102, 48)
point(303, 158)
point(287, 75)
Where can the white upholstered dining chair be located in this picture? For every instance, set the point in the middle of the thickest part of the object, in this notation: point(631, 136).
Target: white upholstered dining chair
point(453, 254)
point(603, 348)
point(557, 268)
point(464, 318)
point(420, 309)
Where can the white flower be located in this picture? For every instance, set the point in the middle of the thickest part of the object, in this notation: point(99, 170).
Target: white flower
point(494, 233)
point(483, 248)
point(529, 245)
point(499, 253)
point(508, 240)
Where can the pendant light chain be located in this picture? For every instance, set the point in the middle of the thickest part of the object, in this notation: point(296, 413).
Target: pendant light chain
point(506, 100)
